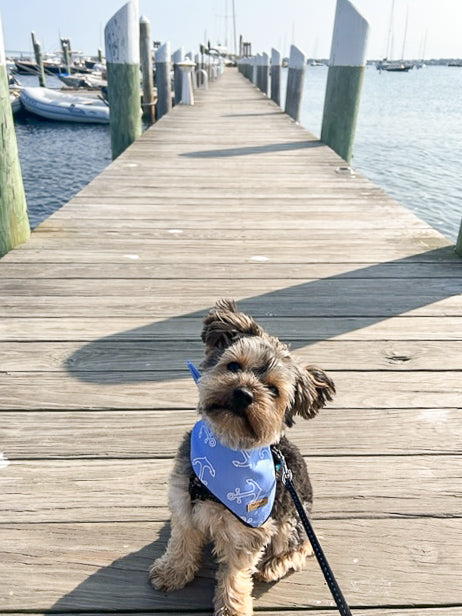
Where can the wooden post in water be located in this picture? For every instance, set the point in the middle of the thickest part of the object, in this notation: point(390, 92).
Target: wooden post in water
point(264, 73)
point(177, 58)
point(121, 36)
point(39, 60)
point(344, 80)
point(258, 71)
point(164, 91)
point(276, 63)
point(459, 241)
point(100, 55)
point(146, 69)
point(14, 221)
point(66, 55)
point(295, 80)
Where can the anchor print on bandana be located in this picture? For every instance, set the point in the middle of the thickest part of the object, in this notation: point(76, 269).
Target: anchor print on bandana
point(201, 465)
point(253, 493)
point(209, 439)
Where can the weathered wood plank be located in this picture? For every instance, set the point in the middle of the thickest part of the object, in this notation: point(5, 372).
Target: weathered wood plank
point(296, 330)
point(134, 490)
point(176, 390)
point(130, 434)
point(72, 567)
point(205, 271)
point(398, 611)
point(107, 354)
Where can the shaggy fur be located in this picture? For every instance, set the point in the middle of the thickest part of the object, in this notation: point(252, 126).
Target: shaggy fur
point(250, 391)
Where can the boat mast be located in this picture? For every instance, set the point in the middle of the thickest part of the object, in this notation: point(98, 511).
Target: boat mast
point(405, 34)
point(389, 50)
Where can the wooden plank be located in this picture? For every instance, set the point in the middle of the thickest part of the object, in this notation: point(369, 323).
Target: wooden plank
point(107, 355)
point(176, 390)
point(206, 271)
point(129, 434)
point(399, 611)
point(295, 330)
point(133, 490)
point(92, 567)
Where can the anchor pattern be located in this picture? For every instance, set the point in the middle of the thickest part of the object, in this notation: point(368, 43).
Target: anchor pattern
point(200, 466)
point(238, 478)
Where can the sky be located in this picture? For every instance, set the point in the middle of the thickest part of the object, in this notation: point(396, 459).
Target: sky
point(266, 23)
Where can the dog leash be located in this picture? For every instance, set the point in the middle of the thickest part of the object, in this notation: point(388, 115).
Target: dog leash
point(334, 588)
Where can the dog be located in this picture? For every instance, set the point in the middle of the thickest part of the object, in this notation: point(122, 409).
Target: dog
point(250, 391)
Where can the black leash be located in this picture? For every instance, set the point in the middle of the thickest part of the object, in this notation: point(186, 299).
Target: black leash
point(334, 588)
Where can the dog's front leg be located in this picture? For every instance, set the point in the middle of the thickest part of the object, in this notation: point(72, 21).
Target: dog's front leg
point(181, 560)
point(237, 563)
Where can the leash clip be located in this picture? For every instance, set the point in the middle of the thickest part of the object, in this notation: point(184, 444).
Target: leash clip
point(286, 476)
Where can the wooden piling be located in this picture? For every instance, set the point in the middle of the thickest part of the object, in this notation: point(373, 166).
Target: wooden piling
point(459, 242)
point(177, 57)
point(14, 221)
point(164, 91)
point(100, 55)
point(344, 80)
point(295, 80)
point(39, 60)
point(276, 63)
point(146, 69)
point(263, 72)
point(123, 71)
point(66, 55)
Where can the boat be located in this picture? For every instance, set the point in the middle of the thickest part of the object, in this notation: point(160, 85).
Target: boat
point(15, 100)
point(55, 105)
point(83, 80)
point(394, 66)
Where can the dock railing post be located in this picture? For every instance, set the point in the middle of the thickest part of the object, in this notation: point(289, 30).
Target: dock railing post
point(66, 55)
point(258, 63)
point(14, 220)
point(177, 57)
point(347, 66)
point(295, 80)
point(146, 69)
point(164, 89)
point(39, 60)
point(122, 43)
point(276, 63)
point(459, 241)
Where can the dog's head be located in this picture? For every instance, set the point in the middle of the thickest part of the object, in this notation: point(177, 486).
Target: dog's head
point(251, 386)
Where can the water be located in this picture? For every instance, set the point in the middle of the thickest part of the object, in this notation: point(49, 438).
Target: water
point(408, 141)
point(408, 138)
point(57, 158)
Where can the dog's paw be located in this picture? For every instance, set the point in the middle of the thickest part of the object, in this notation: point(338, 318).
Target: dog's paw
point(167, 578)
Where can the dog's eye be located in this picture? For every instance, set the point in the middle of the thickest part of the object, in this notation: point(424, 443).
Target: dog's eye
point(274, 390)
point(234, 366)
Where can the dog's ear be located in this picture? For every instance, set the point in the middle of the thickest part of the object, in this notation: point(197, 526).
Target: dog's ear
point(224, 324)
point(313, 389)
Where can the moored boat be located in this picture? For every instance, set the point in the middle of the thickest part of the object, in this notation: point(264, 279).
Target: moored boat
point(55, 105)
point(15, 100)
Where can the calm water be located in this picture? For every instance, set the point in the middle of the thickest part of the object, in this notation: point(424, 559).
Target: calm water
point(408, 138)
point(408, 141)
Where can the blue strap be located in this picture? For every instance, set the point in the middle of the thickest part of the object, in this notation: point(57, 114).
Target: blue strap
point(196, 375)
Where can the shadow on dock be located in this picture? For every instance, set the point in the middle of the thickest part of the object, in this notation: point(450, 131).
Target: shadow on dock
point(356, 299)
point(257, 149)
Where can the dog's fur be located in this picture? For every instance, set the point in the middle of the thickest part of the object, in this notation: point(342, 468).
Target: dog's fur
point(241, 356)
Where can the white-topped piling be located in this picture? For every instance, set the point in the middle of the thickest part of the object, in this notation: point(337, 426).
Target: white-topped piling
point(344, 80)
point(38, 60)
point(295, 81)
point(164, 89)
point(14, 220)
point(275, 72)
point(177, 57)
point(122, 44)
point(146, 69)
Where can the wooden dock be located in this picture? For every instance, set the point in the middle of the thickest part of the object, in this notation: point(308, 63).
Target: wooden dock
point(102, 307)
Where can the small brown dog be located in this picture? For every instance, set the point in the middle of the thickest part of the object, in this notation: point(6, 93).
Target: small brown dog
point(249, 392)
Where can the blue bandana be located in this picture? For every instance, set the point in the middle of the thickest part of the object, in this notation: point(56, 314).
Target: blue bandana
point(243, 480)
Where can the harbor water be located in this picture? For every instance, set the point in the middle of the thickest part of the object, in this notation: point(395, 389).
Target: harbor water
point(408, 142)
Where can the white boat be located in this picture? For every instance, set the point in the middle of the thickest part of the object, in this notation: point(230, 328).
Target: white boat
point(15, 100)
point(55, 105)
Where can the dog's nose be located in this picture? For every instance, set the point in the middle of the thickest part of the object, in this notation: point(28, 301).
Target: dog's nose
point(242, 398)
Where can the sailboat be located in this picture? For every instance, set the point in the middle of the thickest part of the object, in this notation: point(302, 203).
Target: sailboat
point(394, 66)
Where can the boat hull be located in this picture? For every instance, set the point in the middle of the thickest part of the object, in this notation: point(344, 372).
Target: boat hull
point(64, 108)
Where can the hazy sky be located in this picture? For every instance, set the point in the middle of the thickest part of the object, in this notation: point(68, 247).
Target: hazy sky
point(267, 23)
